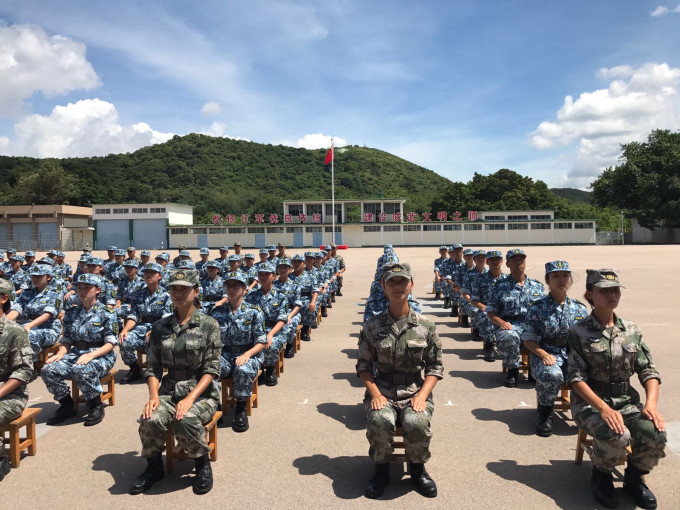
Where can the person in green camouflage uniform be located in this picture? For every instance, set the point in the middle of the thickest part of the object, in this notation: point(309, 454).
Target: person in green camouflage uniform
point(603, 352)
point(16, 368)
point(394, 349)
point(187, 343)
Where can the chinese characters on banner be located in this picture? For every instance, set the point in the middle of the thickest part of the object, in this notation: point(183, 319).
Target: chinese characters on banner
point(367, 217)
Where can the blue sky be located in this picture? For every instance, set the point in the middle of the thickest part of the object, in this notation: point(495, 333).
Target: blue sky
point(548, 89)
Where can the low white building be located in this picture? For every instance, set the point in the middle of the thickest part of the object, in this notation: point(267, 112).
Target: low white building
point(144, 226)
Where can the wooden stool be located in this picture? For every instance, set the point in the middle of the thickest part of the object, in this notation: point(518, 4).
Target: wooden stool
point(298, 336)
point(279, 364)
point(174, 452)
point(563, 400)
point(16, 443)
point(108, 394)
point(45, 354)
point(524, 363)
point(585, 443)
point(318, 315)
point(229, 400)
point(141, 360)
point(399, 446)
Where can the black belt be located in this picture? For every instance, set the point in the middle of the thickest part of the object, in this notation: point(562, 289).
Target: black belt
point(149, 319)
point(306, 293)
point(270, 324)
point(178, 374)
point(556, 341)
point(237, 349)
point(514, 318)
point(400, 379)
point(609, 389)
point(82, 345)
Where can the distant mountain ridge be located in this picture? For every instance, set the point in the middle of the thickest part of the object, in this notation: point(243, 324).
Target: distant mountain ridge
point(575, 195)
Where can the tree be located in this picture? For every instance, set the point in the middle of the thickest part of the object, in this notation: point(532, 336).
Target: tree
point(49, 184)
point(647, 183)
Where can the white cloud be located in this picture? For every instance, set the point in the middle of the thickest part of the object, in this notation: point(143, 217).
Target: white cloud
point(635, 103)
point(663, 11)
point(86, 128)
point(218, 128)
point(32, 61)
point(318, 141)
point(211, 108)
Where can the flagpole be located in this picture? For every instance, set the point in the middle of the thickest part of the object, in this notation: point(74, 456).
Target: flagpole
point(333, 190)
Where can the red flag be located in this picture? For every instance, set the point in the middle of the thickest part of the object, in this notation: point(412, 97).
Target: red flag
point(329, 156)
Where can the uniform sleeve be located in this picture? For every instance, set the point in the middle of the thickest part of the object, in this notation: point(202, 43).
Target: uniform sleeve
point(134, 314)
point(259, 335)
point(466, 287)
point(111, 328)
point(110, 295)
point(53, 304)
point(644, 366)
point(153, 354)
point(367, 355)
point(211, 363)
point(297, 297)
point(67, 321)
point(577, 369)
point(283, 309)
point(433, 354)
point(531, 325)
point(475, 289)
point(494, 304)
point(21, 357)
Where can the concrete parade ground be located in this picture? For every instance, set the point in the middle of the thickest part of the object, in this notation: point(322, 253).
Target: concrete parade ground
point(306, 447)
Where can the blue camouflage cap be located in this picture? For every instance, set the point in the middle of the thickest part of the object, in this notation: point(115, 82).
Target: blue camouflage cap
point(185, 264)
point(145, 253)
point(328, 247)
point(283, 262)
point(163, 256)
point(152, 266)
point(112, 248)
point(249, 255)
point(263, 251)
point(184, 253)
point(468, 251)
point(556, 265)
point(95, 261)
point(479, 252)
point(457, 246)
point(321, 253)
point(59, 254)
point(5, 267)
point(311, 254)
point(46, 261)
point(84, 258)
point(89, 279)
point(20, 258)
point(11, 250)
point(271, 247)
point(514, 253)
point(130, 263)
point(52, 252)
point(236, 275)
point(212, 263)
point(266, 268)
point(299, 257)
point(387, 247)
point(41, 269)
point(442, 247)
point(2, 253)
point(494, 254)
point(120, 253)
point(232, 258)
point(204, 251)
point(29, 253)
point(224, 248)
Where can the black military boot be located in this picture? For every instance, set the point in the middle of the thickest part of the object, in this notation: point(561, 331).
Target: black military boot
point(304, 334)
point(5, 467)
point(465, 321)
point(96, 414)
point(454, 311)
point(545, 421)
point(132, 375)
point(338, 293)
point(332, 297)
point(290, 351)
point(511, 377)
point(381, 477)
point(489, 352)
point(324, 311)
point(240, 423)
point(475, 334)
point(447, 302)
point(636, 488)
point(602, 484)
point(66, 411)
point(270, 378)
point(424, 483)
point(154, 471)
point(203, 481)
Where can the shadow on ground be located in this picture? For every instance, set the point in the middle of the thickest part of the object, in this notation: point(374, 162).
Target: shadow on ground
point(350, 377)
point(522, 421)
point(466, 354)
point(349, 475)
point(351, 353)
point(350, 415)
point(486, 380)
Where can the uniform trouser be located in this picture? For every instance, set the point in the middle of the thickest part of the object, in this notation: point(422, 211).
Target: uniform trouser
point(308, 318)
point(271, 353)
point(381, 425)
point(339, 282)
point(507, 344)
point(243, 376)
point(438, 285)
point(647, 443)
point(291, 329)
point(41, 338)
point(549, 378)
point(470, 311)
point(136, 339)
point(189, 431)
point(11, 408)
point(85, 376)
point(486, 327)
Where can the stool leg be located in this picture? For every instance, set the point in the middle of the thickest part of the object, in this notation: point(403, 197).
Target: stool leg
point(30, 435)
point(75, 395)
point(213, 441)
point(14, 452)
point(580, 439)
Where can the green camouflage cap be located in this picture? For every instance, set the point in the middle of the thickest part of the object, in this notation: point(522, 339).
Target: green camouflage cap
point(185, 277)
point(396, 269)
point(603, 278)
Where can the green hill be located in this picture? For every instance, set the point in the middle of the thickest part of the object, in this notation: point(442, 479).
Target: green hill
point(575, 195)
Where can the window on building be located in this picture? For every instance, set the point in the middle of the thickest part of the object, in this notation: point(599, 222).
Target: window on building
point(237, 230)
point(330, 229)
point(338, 212)
point(17, 215)
point(473, 226)
point(275, 230)
point(374, 209)
point(391, 228)
point(411, 228)
point(179, 230)
point(392, 208)
point(517, 217)
point(372, 228)
point(256, 230)
point(432, 228)
point(121, 211)
point(583, 225)
point(562, 225)
point(494, 217)
point(140, 210)
point(540, 226)
point(294, 230)
point(43, 215)
point(541, 217)
point(217, 230)
point(157, 210)
point(313, 229)
point(199, 230)
point(453, 227)
point(314, 209)
point(102, 211)
point(518, 226)
point(295, 209)
point(495, 226)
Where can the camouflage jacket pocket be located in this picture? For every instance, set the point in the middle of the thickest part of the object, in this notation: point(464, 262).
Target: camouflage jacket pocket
point(385, 350)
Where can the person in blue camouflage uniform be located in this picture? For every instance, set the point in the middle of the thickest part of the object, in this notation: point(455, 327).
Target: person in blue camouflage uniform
point(16, 275)
point(507, 308)
point(144, 257)
point(56, 285)
point(479, 297)
point(61, 268)
point(237, 251)
point(204, 253)
point(85, 353)
point(545, 335)
point(107, 293)
point(110, 259)
point(30, 260)
point(263, 254)
point(447, 290)
point(131, 253)
point(377, 300)
point(16, 369)
point(147, 306)
point(222, 259)
point(324, 281)
point(457, 279)
point(127, 287)
point(249, 267)
point(340, 261)
point(163, 260)
point(243, 340)
point(310, 258)
point(115, 272)
point(233, 263)
point(37, 310)
point(469, 278)
point(213, 287)
point(271, 255)
point(604, 351)
point(309, 294)
point(80, 267)
point(274, 306)
point(187, 344)
point(333, 268)
point(439, 272)
point(291, 290)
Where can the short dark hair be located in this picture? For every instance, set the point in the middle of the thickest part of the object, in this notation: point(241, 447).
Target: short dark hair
point(589, 288)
